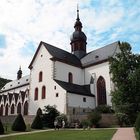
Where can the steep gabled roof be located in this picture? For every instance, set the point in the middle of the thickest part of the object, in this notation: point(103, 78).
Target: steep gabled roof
point(75, 89)
point(59, 55)
point(100, 55)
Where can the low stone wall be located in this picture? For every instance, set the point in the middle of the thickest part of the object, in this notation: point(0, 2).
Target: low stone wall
point(108, 120)
point(10, 119)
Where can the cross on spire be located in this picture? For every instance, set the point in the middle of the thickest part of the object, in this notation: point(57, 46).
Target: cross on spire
point(78, 13)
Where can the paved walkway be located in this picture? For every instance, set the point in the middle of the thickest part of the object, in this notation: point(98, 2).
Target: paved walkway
point(124, 134)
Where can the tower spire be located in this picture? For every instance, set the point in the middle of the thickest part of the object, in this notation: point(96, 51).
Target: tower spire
point(19, 73)
point(78, 38)
point(78, 13)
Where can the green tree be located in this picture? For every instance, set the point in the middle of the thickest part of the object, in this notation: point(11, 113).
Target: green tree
point(50, 113)
point(1, 128)
point(19, 124)
point(3, 82)
point(37, 123)
point(94, 118)
point(137, 123)
point(125, 68)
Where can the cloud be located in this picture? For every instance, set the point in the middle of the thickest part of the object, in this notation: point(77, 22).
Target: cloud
point(24, 23)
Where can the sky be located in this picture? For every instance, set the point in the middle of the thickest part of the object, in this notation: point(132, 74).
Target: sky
point(24, 23)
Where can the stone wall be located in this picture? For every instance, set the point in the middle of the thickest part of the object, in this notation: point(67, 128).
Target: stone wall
point(108, 120)
point(10, 119)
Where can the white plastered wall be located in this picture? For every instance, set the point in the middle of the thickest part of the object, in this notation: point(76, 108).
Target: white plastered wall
point(62, 71)
point(43, 63)
point(100, 70)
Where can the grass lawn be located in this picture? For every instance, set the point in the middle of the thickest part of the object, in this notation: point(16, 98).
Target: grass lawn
point(103, 134)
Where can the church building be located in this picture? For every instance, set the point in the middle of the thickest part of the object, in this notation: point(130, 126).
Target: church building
point(75, 82)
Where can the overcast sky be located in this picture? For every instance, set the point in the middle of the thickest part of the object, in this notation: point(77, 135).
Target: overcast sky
point(24, 23)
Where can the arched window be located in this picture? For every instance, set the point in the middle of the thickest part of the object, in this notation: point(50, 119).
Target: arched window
point(6, 110)
point(19, 108)
point(70, 78)
point(40, 76)
point(43, 92)
point(12, 109)
point(36, 94)
point(101, 91)
point(26, 108)
point(1, 110)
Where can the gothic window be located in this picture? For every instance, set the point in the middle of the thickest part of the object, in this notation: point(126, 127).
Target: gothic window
point(12, 109)
point(40, 76)
point(6, 110)
point(36, 94)
point(101, 91)
point(1, 110)
point(19, 108)
point(43, 92)
point(70, 78)
point(26, 108)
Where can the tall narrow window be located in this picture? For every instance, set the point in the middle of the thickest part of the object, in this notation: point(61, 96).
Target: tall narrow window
point(25, 108)
point(43, 92)
point(12, 109)
point(70, 78)
point(19, 108)
point(101, 91)
point(40, 76)
point(36, 94)
point(6, 110)
point(1, 110)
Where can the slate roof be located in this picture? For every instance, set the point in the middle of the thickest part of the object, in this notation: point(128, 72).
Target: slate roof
point(62, 55)
point(100, 54)
point(75, 89)
point(16, 83)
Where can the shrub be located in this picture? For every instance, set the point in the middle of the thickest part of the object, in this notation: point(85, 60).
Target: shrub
point(1, 128)
point(104, 109)
point(49, 117)
point(137, 123)
point(122, 119)
point(19, 124)
point(60, 118)
point(94, 118)
point(37, 123)
point(85, 123)
point(39, 112)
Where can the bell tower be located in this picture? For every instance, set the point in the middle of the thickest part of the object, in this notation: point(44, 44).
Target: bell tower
point(78, 39)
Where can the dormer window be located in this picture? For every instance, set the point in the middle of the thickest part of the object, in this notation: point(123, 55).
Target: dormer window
point(40, 76)
point(96, 56)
